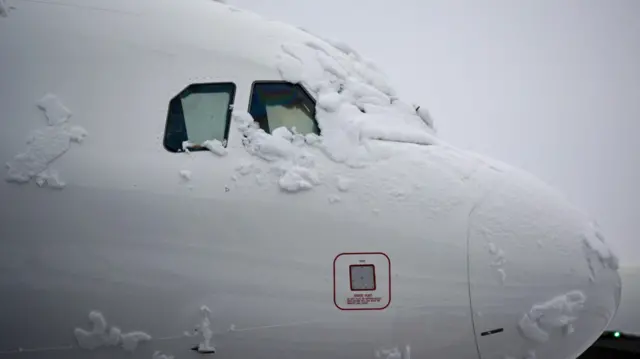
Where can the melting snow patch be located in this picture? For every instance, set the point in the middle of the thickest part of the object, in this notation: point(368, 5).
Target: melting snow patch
point(99, 336)
point(45, 145)
point(559, 312)
point(595, 244)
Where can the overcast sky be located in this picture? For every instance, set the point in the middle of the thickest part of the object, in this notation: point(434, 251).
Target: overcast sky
point(550, 86)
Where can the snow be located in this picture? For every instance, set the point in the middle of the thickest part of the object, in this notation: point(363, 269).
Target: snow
point(185, 175)
point(50, 178)
point(559, 312)
point(355, 103)
point(343, 183)
point(334, 199)
point(595, 244)
point(204, 328)
point(54, 110)
point(159, 355)
point(45, 145)
point(216, 147)
point(130, 340)
point(100, 335)
point(283, 150)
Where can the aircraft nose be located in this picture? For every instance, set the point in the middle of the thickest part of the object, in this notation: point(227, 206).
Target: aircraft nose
point(543, 281)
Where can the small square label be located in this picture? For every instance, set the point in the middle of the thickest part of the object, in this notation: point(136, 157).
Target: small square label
point(363, 277)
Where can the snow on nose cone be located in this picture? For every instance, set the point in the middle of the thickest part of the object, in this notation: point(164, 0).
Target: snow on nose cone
point(539, 269)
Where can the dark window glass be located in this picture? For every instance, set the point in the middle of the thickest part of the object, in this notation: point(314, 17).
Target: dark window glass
point(199, 113)
point(281, 104)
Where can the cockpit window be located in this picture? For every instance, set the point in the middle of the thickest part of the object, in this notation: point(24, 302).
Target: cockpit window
point(201, 112)
point(281, 104)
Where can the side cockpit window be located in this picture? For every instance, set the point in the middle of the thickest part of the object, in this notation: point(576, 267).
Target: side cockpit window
point(281, 104)
point(199, 113)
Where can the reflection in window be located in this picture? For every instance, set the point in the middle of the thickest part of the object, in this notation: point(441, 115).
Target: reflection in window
point(279, 104)
point(199, 113)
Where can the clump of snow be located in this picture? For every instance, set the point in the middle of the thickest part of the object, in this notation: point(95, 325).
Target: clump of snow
point(425, 116)
point(394, 353)
point(559, 312)
point(45, 145)
point(297, 178)
point(186, 145)
point(215, 146)
point(50, 178)
point(159, 355)
point(55, 111)
point(185, 175)
point(284, 150)
point(343, 183)
point(100, 335)
point(499, 261)
point(334, 199)
point(130, 340)
point(595, 244)
point(204, 328)
point(355, 103)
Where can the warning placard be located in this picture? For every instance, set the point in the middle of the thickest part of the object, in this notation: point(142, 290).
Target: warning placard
point(361, 298)
point(362, 281)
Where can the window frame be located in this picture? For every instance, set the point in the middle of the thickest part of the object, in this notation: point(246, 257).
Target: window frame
point(231, 90)
point(306, 92)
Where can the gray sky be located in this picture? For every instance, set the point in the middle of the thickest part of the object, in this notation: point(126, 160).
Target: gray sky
point(550, 86)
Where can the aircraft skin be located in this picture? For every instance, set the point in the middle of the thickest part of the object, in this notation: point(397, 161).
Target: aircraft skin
point(464, 247)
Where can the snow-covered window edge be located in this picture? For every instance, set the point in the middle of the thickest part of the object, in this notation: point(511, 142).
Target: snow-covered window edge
point(176, 138)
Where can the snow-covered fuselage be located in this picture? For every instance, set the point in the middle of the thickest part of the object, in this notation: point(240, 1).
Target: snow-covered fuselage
point(114, 245)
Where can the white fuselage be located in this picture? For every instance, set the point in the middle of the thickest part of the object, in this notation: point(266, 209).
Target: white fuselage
point(474, 246)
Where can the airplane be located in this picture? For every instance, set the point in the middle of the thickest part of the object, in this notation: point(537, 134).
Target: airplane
point(186, 179)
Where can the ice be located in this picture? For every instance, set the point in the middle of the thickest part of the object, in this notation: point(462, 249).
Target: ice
point(186, 145)
point(159, 355)
point(45, 145)
point(55, 111)
point(186, 175)
point(99, 336)
point(215, 146)
point(559, 312)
